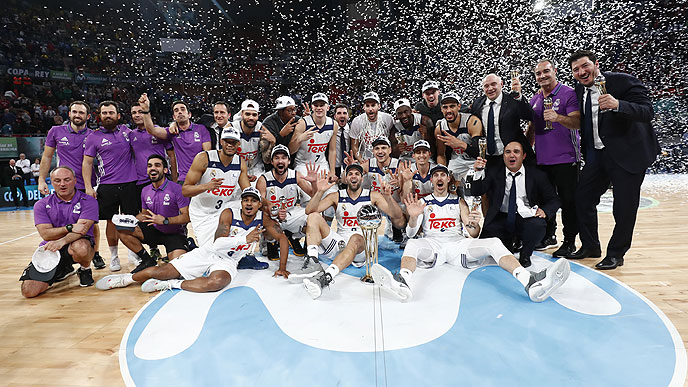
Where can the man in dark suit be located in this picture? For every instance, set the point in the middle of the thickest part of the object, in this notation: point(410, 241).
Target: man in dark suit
point(618, 144)
point(521, 198)
point(501, 115)
point(15, 178)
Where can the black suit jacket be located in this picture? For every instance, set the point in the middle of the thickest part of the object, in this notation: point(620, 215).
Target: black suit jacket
point(627, 135)
point(8, 173)
point(511, 113)
point(539, 190)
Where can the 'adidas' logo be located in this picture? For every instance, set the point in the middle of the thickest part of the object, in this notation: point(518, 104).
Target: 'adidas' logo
point(105, 142)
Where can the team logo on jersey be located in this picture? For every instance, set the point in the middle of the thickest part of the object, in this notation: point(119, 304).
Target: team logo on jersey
point(154, 140)
point(77, 208)
point(166, 200)
point(63, 141)
point(272, 190)
point(105, 142)
point(223, 190)
point(316, 148)
point(197, 137)
point(557, 102)
point(212, 173)
point(47, 206)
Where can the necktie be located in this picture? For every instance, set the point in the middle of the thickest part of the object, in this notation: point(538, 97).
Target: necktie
point(511, 214)
point(491, 145)
point(587, 127)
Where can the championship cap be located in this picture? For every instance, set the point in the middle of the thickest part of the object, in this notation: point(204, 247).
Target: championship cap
point(430, 85)
point(381, 140)
point(371, 95)
point(401, 102)
point(283, 102)
point(43, 264)
point(250, 104)
point(250, 191)
point(421, 144)
point(230, 133)
point(319, 97)
point(354, 166)
point(279, 148)
point(438, 168)
point(449, 95)
point(125, 222)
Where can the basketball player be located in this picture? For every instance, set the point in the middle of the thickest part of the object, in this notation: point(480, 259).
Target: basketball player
point(454, 133)
point(250, 129)
point(315, 138)
point(368, 126)
point(408, 128)
point(348, 239)
point(416, 176)
point(238, 231)
point(283, 189)
point(442, 216)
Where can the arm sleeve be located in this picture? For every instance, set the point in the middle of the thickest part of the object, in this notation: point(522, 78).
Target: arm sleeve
point(90, 146)
point(90, 209)
point(412, 231)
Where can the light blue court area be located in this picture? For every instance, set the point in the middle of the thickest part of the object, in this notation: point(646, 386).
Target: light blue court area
point(463, 327)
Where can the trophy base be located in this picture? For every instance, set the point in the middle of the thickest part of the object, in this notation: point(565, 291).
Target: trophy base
point(368, 279)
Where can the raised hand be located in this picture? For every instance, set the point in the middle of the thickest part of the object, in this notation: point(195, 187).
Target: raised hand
point(324, 182)
point(173, 128)
point(266, 135)
point(311, 172)
point(288, 127)
point(214, 183)
point(404, 170)
point(414, 206)
point(449, 140)
point(479, 164)
point(306, 109)
point(144, 102)
point(307, 135)
point(349, 158)
point(254, 235)
point(386, 189)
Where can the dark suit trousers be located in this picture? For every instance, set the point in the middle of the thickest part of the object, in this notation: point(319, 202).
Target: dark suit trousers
point(529, 230)
point(19, 185)
point(565, 178)
point(593, 183)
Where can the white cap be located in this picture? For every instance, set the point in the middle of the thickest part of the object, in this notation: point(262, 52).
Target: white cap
point(283, 102)
point(280, 148)
point(421, 144)
point(430, 85)
point(371, 95)
point(401, 102)
point(230, 133)
point(320, 97)
point(449, 95)
point(250, 191)
point(250, 104)
point(125, 222)
point(382, 139)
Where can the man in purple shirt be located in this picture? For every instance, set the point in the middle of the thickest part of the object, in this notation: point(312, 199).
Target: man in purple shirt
point(557, 150)
point(187, 137)
point(68, 140)
point(164, 213)
point(117, 173)
point(65, 221)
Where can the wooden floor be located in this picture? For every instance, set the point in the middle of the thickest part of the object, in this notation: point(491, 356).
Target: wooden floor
point(71, 335)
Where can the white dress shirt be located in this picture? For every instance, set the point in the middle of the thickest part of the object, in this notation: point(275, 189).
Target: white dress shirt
point(522, 205)
point(25, 165)
point(594, 96)
point(495, 109)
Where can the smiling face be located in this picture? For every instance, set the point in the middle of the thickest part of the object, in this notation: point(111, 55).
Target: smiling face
point(137, 115)
point(545, 75)
point(421, 156)
point(354, 179)
point(514, 156)
point(249, 205)
point(155, 170)
point(250, 118)
point(440, 182)
point(320, 108)
point(382, 152)
point(220, 114)
point(109, 116)
point(405, 115)
point(341, 115)
point(280, 163)
point(78, 114)
point(585, 71)
point(492, 86)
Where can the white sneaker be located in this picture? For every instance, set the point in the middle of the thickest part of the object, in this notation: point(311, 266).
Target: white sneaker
point(545, 282)
point(394, 284)
point(111, 281)
point(310, 268)
point(153, 285)
point(315, 284)
point(114, 264)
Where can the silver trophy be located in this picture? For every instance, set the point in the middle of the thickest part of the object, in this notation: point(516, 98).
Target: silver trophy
point(369, 219)
point(283, 205)
point(601, 85)
point(476, 203)
point(547, 104)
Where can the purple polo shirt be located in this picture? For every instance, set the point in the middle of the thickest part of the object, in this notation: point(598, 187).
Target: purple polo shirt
point(559, 145)
point(70, 149)
point(114, 154)
point(144, 145)
point(187, 144)
point(165, 201)
point(58, 213)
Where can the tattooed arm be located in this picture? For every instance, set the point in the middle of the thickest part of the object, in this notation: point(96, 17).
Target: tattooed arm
point(224, 224)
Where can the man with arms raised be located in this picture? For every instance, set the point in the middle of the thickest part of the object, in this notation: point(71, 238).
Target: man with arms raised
point(68, 141)
point(368, 126)
point(348, 239)
point(442, 216)
point(64, 221)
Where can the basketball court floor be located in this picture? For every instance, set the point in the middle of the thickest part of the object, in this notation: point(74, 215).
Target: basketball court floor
point(627, 327)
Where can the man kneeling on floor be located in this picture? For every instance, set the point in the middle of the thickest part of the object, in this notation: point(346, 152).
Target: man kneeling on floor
point(442, 216)
point(237, 234)
point(64, 219)
point(348, 240)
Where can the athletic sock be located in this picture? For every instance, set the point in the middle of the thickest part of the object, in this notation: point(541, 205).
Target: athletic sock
point(143, 254)
point(85, 267)
point(312, 251)
point(406, 275)
point(522, 275)
point(113, 252)
point(333, 270)
point(176, 283)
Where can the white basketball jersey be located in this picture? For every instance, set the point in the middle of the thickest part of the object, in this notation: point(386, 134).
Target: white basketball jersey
point(239, 229)
point(462, 135)
point(347, 209)
point(409, 136)
point(377, 174)
point(214, 201)
point(249, 149)
point(284, 194)
point(441, 217)
point(422, 186)
point(313, 150)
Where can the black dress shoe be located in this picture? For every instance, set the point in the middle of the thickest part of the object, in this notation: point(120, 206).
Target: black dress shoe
point(610, 263)
point(566, 249)
point(546, 243)
point(524, 261)
point(585, 253)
